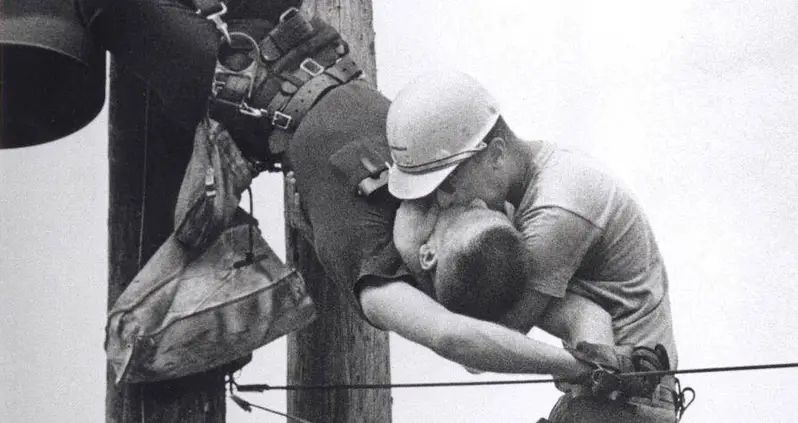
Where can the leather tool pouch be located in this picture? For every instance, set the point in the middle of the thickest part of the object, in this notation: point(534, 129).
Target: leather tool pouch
point(363, 165)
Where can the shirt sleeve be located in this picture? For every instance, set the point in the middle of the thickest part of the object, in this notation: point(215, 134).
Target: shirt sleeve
point(558, 241)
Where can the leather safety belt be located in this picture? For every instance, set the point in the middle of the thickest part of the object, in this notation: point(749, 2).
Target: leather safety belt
point(272, 89)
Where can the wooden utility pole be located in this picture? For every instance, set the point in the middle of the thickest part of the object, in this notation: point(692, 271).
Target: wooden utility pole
point(147, 157)
point(339, 347)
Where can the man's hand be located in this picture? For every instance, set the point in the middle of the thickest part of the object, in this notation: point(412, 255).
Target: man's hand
point(400, 307)
point(294, 215)
point(610, 362)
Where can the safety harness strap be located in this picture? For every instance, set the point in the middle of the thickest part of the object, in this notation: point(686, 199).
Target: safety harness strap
point(231, 89)
point(234, 77)
point(293, 29)
point(288, 108)
point(287, 83)
point(289, 71)
point(286, 119)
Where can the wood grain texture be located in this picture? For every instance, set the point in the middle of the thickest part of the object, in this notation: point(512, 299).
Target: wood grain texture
point(147, 157)
point(339, 347)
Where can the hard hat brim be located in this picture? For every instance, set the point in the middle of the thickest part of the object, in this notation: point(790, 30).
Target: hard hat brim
point(409, 186)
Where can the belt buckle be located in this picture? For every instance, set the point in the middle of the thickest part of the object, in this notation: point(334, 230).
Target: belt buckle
point(281, 120)
point(248, 110)
point(311, 67)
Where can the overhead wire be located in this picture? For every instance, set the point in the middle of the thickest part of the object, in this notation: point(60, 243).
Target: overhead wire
point(143, 210)
point(336, 386)
point(248, 406)
point(681, 401)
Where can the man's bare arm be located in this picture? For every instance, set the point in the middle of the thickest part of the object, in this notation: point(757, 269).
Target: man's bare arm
point(571, 319)
point(401, 308)
point(576, 318)
point(557, 241)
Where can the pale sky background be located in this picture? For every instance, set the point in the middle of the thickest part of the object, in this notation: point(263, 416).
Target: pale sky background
point(693, 103)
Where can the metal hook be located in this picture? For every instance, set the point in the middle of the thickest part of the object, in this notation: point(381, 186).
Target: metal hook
point(221, 25)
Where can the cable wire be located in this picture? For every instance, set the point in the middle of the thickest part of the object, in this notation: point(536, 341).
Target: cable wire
point(248, 406)
point(144, 176)
point(266, 387)
point(143, 210)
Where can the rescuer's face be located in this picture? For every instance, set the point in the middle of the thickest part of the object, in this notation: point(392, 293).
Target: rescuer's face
point(477, 178)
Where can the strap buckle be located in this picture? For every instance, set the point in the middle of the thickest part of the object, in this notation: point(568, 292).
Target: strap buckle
point(311, 67)
point(281, 120)
point(288, 14)
point(248, 110)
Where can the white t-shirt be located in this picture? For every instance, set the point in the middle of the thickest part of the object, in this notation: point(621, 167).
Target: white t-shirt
point(589, 236)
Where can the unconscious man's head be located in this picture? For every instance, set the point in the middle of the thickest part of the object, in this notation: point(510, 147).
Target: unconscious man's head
point(475, 260)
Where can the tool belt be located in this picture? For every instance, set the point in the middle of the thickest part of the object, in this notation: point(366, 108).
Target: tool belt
point(262, 89)
point(663, 395)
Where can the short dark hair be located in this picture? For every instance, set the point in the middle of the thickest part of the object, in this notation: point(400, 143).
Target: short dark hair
point(485, 275)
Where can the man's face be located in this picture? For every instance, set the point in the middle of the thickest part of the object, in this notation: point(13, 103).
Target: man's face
point(423, 232)
point(477, 178)
point(454, 228)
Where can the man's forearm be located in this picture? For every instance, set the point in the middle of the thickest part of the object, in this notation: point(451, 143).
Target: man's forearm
point(401, 308)
point(576, 318)
point(491, 347)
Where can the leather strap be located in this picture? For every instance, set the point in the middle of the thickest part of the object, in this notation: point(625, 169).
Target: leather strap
point(341, 70)
point(292, 30)
point(292, 108)
point(662, 394)
point(233, 87)
point(302, 62)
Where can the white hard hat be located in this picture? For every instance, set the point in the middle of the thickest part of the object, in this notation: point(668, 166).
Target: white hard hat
point(435, 123)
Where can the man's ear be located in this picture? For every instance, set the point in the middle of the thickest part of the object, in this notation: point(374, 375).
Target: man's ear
point(427, 256)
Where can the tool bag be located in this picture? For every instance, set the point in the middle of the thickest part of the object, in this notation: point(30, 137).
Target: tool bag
point(216, 176)
point(214, 291)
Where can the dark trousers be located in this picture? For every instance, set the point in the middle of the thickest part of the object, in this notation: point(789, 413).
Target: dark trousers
point(659, 408)
point(170, 46)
